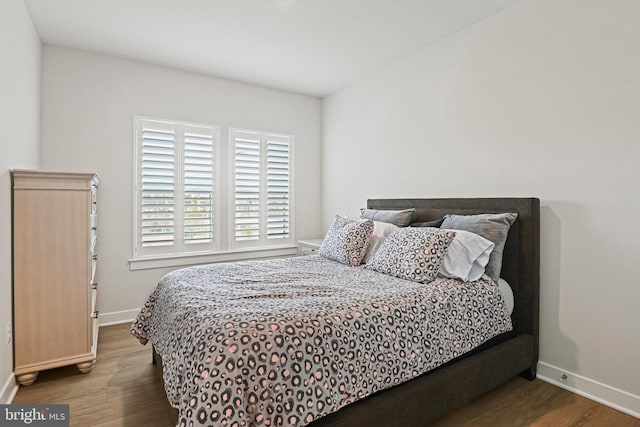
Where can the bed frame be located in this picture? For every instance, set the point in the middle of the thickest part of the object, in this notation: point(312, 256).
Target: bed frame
point(424, 399)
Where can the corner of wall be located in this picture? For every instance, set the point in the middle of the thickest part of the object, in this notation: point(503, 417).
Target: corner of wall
point(21, 64)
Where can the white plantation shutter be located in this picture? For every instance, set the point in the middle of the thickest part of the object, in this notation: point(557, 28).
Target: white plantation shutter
point(247, 177)
point(157, 211)
point(262, 188)
point(176, 190)
point(278, 161)
point(198, 185)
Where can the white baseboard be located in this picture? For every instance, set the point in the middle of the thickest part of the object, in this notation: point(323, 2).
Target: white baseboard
point(118, 317)
point(9, 390)
point(594, 390)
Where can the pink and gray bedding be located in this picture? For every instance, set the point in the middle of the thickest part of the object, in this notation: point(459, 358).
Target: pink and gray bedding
point(287, 341)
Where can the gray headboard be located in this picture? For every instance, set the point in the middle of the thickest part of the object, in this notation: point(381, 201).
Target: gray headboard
point(521, 259)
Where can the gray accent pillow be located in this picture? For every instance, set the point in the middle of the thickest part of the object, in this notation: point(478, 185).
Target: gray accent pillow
point(347, 240)
point(493, 227)
point(400, 218)
point(412, 253)
point(434, 223)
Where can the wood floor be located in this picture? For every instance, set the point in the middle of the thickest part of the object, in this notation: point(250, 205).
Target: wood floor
point(124, 390)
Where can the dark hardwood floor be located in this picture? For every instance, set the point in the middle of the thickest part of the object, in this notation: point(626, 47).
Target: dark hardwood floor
point(124, 390)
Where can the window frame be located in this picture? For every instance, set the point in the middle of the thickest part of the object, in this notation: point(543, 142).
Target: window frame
point(225, 250)
point(179, 248)
point(263, 242)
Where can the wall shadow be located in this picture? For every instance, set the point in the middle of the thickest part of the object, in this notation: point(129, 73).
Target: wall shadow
point(556, 348)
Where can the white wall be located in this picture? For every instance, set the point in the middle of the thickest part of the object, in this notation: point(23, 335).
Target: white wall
point(88, 104)
point(541, 100)
point(19, 133)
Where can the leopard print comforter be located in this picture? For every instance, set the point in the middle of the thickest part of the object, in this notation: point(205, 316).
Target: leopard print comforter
point(287, 341)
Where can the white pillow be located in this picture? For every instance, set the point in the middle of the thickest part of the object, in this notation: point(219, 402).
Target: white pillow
point(380, 231)
point(466, 257)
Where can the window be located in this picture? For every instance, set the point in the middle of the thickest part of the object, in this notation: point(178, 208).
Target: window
point(179, 182)
point(262, 188)
point(176, 208)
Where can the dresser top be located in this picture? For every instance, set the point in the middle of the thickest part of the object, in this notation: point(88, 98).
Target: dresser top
point(45, 180)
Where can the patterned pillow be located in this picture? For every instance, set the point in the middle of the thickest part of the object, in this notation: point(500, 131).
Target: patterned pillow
point(412, 253)
point(347, 240)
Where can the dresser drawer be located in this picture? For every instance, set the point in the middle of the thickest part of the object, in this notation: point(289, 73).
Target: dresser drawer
point(94, 240)
point(94, 300)
point(94, 201)
point(94, 267)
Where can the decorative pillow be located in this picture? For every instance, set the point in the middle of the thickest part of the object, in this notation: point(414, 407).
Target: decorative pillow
point(412, 253)
point(347, 240)
point(466, 257)
point(380, 231)
point(494, 227)
point(435, 223)
point(400, 218)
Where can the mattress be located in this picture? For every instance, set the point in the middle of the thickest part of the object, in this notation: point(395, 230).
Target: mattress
point(507, 294)
point(285, 342)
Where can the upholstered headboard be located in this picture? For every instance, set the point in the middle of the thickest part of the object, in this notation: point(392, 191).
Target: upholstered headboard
point(521, 259)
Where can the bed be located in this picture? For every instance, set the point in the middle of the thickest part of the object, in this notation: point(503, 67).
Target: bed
point(402, 401)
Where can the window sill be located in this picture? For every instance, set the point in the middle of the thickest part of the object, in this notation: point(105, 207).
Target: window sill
point(145, 263)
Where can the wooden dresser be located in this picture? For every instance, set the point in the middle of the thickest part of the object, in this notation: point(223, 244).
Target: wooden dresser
point(55, 293)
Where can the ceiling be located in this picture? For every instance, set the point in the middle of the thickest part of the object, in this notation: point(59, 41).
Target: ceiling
point(314, 47)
